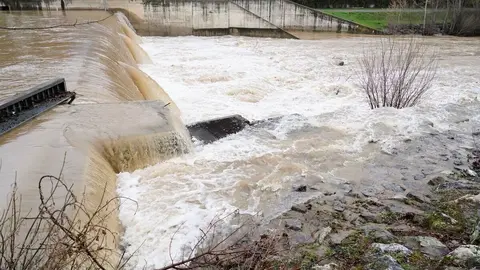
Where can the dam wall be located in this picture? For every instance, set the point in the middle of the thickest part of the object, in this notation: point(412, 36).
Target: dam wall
point(261, 18)
point(205, 18)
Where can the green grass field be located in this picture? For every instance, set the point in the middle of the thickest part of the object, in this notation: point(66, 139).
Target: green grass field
point(380, 18)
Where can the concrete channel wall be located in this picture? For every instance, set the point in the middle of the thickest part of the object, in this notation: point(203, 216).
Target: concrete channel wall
point(260, 18)
point(206, 18)
point(291, 16)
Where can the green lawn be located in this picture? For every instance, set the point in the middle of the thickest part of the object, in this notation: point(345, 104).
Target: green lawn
point(380, 18)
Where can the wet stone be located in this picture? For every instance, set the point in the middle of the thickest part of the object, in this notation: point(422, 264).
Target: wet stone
point(369, 192)
point(368, 216)
point(418, 176)
point(466, 255)
point(436, 181)
point(385, 262)
point(293, 224)
point(418, 197)
point(429, 246)
point(458, 162)
point(393, 187)
point(322, 234)
point(338, 206)
point(301, 188)
point(300, 238)
point(350, 216)
point(457, 185)
point(337, 238)
point(300, 208)
point(330, 266)
point(378, 232)
point(394, 247)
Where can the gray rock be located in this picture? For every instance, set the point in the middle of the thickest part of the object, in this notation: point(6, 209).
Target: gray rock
point(338, 206)
point(300, 188)
point(466, 170)
point(417, 197)
point(436, 181)
point(393, 187)
point(392, 248)
point(374, 201)
point(378, 232)
point(300, 208)
point(399, 197)
point(337, 238)
point(429, 246)
point(370, 217)
point(465, 255)
point(322, 234)
point(300, 238)
point(385, 262)
point(471, 173)
point(419, 176)
point(293, 224)
point(330, 266)
point(369, 192)
point(350, 216)
point(457, 185)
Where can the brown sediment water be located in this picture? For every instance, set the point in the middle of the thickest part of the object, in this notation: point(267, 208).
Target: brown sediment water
point(149, 88)
point(109, 128)
point(138, 53)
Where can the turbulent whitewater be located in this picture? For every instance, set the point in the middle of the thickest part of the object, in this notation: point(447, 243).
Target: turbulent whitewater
point(328, 135)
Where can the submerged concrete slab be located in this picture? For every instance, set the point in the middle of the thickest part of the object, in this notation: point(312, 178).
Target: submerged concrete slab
point(96, 140)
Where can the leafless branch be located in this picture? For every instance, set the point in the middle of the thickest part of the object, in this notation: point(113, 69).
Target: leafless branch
point(397, 73)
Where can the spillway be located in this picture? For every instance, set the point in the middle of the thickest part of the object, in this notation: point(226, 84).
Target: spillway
point(121, 120)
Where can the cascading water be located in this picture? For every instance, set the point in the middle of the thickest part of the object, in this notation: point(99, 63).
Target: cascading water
point(101, 133)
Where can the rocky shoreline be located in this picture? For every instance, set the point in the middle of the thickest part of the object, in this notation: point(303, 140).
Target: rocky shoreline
point(433, 228)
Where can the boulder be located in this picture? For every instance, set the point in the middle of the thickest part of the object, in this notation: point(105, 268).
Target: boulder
point(377, 232)
point(293, 224)
point(300, 208)
point(394, 247)
point(466, 256)
point(386, 262)
point(429, 246)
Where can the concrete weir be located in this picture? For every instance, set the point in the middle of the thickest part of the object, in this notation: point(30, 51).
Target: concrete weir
point(120, 126)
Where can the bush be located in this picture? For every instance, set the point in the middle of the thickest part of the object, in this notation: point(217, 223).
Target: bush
point(397, 72)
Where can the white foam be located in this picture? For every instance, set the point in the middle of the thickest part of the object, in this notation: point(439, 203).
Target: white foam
point(255, 169)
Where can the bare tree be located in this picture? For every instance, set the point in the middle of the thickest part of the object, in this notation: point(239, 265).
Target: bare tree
point(397, 72)
point(62, 234)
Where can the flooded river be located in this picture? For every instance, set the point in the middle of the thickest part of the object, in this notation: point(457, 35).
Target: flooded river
point(328, 137)
point(324, 140)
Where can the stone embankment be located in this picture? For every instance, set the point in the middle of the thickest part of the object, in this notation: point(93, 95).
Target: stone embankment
point(353, 227)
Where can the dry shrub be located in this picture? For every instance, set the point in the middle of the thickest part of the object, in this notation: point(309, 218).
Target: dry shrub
point(397, 72)
point(62, 234)
point(238, 249)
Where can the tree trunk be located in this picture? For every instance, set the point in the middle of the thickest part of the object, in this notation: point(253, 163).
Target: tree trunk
point(63, 5)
